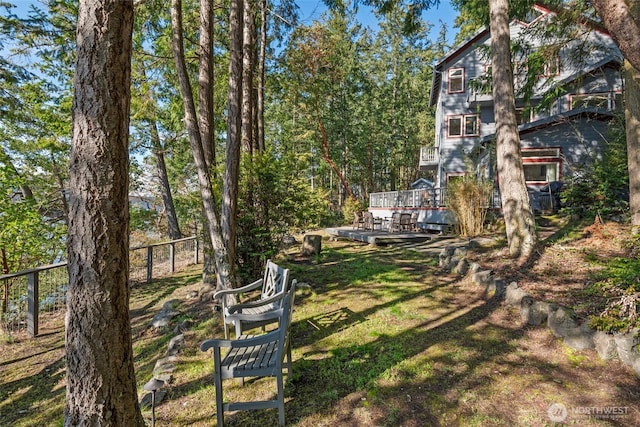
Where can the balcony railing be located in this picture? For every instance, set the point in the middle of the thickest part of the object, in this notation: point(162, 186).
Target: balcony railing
point(428, 156)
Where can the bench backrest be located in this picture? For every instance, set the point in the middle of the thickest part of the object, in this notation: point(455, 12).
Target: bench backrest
point(275, 280)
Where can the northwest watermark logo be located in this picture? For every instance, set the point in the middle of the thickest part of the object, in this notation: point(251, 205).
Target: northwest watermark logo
point(558, 412)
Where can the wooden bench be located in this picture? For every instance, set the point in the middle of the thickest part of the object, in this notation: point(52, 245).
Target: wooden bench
point(255, 356)
point(272, 287)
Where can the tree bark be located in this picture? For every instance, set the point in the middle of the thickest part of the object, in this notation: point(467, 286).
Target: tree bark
point(248, 61)
point(101, 385)
point(516, 207)
point(161, 168)
point(261, 71)
point(234, 125)
point(624, 26)
point(224, 270)
point(205, 84)
point(622, 20)
point(632, 130)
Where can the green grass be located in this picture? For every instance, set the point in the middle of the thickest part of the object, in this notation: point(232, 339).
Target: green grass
point(380, 337)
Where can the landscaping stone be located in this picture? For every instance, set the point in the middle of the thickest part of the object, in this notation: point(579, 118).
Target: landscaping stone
point(288, 241)
point(474, 268)
point(163, 318)
point(627, 346)
point(145, 402)
point(580, 338)
point(460, 252)
point(171, 305)
point(444, 258)
point(175, 344)
point(533, 312)
point(605, 345)
point(461, 267)
point(514, 295)
point(560, 321)
point(164, 368)
point(182, 326)
point(483, 277)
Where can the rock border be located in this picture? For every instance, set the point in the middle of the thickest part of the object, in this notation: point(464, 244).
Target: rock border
point(561, 321)
point(165, 366)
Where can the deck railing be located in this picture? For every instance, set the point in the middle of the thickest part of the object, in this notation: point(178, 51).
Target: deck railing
point(418, 198)
point(424, 197)
point(31, 294)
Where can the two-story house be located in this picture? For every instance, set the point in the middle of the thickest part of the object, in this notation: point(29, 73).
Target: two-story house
point(556, 139)
point(558, 134)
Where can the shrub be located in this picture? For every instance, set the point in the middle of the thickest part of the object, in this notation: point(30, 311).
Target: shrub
point(468, 199)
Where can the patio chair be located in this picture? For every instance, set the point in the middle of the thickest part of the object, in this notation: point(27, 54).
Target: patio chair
point(272, 288)
point(255, 356)
point(405, 222)
point(358, 221)
point(370, 222)
point(394, 225)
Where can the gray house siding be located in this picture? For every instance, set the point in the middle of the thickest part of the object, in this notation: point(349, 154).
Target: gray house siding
point(564, 125)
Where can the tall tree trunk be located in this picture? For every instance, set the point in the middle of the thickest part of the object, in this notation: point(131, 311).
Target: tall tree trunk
point(516, 207)
point(101, 384)
point(165, 188)
point(622, 19)
point(623, 23)
point(205, 84)
point(206, 117)
point(632, 130)
point(161, 167)
point(324, 140)
point(234, 125)
point(261, 71)
point(224, 268)
point(248, 49)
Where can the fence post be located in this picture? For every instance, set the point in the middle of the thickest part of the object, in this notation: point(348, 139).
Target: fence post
point(33, 307)
point(195, 251)
point(149, 264)
point(172, 257)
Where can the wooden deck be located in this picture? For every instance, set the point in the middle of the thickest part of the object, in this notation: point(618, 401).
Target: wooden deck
point(378, 237)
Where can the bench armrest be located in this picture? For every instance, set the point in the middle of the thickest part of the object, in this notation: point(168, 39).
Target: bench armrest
point(250, 287)
point(237, 308)
point(258, 317)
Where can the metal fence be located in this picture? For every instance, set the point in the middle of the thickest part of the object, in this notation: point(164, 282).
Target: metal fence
point(29, 295)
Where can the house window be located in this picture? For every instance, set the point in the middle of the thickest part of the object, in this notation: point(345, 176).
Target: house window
point(551, 68)
point(523, 115)
point(456, 80)
point(592, 100)
point(463, 125)
point(540, 172)
point(541, 165)
point(471, 125)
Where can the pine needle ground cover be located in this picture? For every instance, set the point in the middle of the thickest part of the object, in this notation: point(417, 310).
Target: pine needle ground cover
point(380, 337)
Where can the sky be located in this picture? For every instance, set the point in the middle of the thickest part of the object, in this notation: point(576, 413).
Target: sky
point(311, 10)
